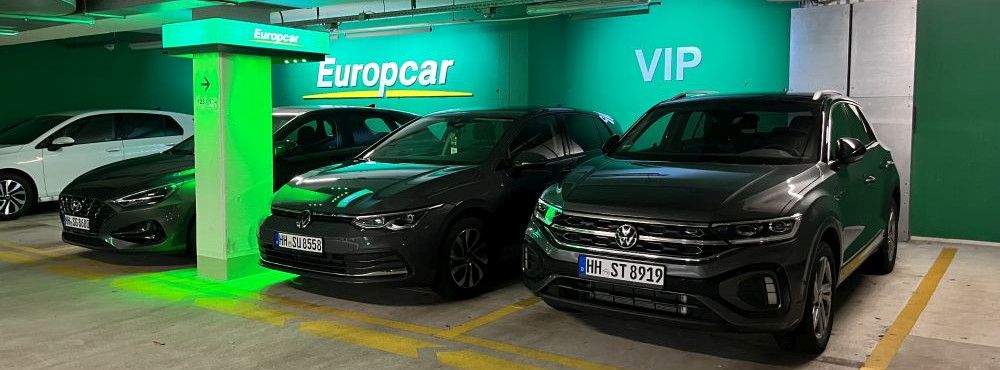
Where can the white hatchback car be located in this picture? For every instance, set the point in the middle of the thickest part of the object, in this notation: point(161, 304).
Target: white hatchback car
point(41, 155)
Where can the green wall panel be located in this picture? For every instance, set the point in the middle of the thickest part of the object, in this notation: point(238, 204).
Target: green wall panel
point(589, 64)
point(49, 77)
point(955, 180)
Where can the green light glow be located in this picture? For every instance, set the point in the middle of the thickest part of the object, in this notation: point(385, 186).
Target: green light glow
point(8, 32)
point(218, 31)
point(41, 18)
point(550, 214)
point(354, 196)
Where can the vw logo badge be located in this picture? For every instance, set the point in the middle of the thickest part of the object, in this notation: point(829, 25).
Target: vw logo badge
point(626, 235)
point(304, 220)
point(76, 206)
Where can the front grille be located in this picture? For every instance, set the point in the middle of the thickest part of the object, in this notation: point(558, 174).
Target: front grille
point(355, 264)
point(586, 231)
point(97, 211)
point(631, 298)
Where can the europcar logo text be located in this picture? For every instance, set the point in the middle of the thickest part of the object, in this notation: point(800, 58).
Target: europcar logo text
point(384, 78)
point(276, 38)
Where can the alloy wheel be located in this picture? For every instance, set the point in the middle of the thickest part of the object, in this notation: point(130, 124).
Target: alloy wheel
point(468, 259)
point(891, 238)
point(822, 297)
point(13, 197)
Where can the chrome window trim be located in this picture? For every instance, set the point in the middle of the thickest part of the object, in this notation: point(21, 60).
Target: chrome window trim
point(641, 237)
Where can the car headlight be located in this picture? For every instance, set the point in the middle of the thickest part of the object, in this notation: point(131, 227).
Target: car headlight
point(393, 221)
point(146, 197)
point(758, 232)
point(546, 212)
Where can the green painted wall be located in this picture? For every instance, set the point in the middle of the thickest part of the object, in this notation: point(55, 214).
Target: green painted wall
point(955, 182)
point(49, 77)
point(587, 64)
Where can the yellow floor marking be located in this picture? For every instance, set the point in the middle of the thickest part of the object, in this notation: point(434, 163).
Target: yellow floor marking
point(531, 353)
point(470, 360)
point(351, 315)
point(246, 310)
point(50, 252)
point(391, 343)
point(488, 318)
point(886, 349)
point(18, 258)
point(76, 272)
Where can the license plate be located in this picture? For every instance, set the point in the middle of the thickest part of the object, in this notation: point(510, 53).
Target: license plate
point(74, 222)
point(298, 242)
point(623, 271)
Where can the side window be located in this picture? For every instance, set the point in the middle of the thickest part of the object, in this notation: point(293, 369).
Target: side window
point(313, 133)
point(369, 129)
point(864, 132)
point(89, 130)
point(583, 133)
point(171, 127)
point(846, 123)
point(537, 141)
point(139, 126)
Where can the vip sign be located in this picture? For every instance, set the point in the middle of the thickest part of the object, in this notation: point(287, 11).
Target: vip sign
point(384, 77)
point(686, 57)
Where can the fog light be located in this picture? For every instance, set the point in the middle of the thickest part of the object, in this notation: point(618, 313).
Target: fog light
point(772, 291)
point(148, 232)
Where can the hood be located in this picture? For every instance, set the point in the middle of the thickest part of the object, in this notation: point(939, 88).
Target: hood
point(132, 175)
point(366, 187)
point(8, 149)
point(695, 192)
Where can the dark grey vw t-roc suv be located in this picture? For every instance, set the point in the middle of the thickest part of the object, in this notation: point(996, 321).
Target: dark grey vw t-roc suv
point(437, 202)
point(739, 212)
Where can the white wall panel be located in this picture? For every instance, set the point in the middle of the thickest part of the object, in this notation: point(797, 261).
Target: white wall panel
point(883, 46)
point(818, 49)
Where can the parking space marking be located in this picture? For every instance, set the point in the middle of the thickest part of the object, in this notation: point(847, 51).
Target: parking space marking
point(470, 360)
point(247, 310)
point(488, 318)
point(392, 343)
point(350, 315)
point(886, 348)
point(567, 361)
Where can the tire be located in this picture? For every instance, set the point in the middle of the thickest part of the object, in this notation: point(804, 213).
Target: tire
point(813, 332)
point(17, 196)
point(883, 261)
point(464, 263)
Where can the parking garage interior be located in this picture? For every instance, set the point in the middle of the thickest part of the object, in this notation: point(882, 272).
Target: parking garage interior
point(921, 70)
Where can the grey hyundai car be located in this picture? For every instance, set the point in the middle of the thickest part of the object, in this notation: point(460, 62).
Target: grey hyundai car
point(147, 204)
point(734, 212)
point(437, 202)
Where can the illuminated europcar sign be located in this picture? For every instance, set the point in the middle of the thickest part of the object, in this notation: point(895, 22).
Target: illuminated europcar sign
point(218, 31)
point(278, 38)
point(671, 63)
point(392, 79)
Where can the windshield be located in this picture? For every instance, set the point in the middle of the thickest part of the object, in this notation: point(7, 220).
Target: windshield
point(443, 140)
point(771, 133)
point(30, 129)
point(185, 147)
point(279, 120)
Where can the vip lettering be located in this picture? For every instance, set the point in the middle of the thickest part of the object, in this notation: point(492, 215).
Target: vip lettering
point(384, 75)
point(686, 57)
point(283, 38)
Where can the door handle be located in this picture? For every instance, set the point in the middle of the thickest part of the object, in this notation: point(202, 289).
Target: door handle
point(869, 179)
point(112, 150)
point(887, 164)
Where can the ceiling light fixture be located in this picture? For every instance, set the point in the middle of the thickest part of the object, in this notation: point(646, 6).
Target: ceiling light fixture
point(576, 6)
point(8, 32)
point(40, 18)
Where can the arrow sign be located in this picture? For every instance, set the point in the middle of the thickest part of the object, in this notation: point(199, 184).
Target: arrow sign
point(206, 84)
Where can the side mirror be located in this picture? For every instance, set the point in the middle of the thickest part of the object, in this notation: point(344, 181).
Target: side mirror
point(850, 150)
point(60, 142)
point(611, 143)
point(284, 147)
point(527, 160)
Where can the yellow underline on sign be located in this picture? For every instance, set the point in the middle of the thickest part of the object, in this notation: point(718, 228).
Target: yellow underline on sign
point(470, 360)
point(275, 43)
point(887, 348)
point(364, 94)
point(488, 318)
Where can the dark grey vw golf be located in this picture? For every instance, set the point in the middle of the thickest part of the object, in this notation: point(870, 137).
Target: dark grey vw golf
point(739, 212)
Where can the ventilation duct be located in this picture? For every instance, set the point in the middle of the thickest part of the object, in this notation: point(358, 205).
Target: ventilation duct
point(45, 8)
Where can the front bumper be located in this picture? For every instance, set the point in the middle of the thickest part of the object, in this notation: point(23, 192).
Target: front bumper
point(158, 228)
point(716, 293)
point(352, 255)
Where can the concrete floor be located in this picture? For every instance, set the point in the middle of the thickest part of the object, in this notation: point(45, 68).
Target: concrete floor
point(67, 307)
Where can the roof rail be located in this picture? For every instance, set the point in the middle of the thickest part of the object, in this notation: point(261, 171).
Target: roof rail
point(820, 93)
point(688, 94)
